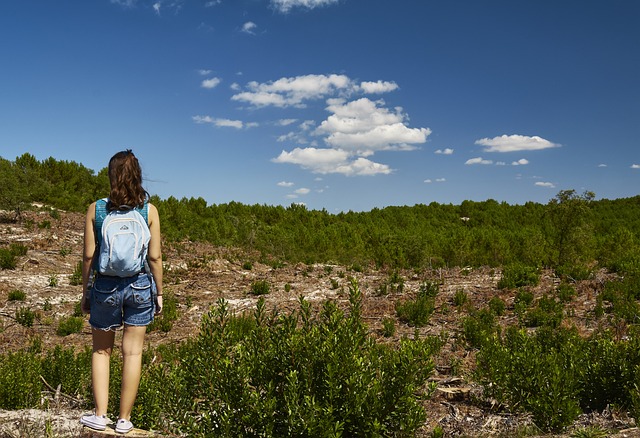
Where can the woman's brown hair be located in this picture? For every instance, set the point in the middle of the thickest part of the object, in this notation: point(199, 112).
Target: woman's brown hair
point(125, 177)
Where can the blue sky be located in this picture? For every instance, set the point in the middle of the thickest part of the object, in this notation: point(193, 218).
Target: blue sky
point(337, 104)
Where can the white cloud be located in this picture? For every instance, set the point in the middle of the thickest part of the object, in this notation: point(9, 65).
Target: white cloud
point(222, 123)
point(520, 162)
point(285, 6)
point(545, 184)
point(602, 165)
point(362, 127)
point(446, 151)
point(211, 83)
point(285, 184)
point(478, 160)
point(124, 3)
point(211, 3)
point(286, 92)
point(354, 130)
point(325, 161)
point(635, 166)
point(286, 122)
point(302, 191)
point(378, 87)
point(204, 72)
point(249, 27)
point(156, 7)
point(515, 143)
point(438, 180)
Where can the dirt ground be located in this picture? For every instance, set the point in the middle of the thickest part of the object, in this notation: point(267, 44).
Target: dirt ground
point(199, 274)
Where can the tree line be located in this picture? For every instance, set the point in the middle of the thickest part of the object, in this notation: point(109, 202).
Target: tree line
point(572, 232)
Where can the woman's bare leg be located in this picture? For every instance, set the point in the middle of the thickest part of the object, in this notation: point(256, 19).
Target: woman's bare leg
point(102, 348)
point(132, 344)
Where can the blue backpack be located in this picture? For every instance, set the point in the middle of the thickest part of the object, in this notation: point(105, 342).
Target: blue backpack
point(123, 240)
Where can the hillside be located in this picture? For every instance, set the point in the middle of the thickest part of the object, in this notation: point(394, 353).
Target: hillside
point(198, 275)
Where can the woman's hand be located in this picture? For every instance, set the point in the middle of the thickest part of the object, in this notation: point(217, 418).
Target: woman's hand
point(85, 305)
point(158, 304)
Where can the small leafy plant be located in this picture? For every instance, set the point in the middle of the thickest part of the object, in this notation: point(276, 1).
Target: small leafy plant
point(17, 295)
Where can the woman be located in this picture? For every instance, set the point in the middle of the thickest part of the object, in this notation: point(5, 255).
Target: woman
point(114, 301)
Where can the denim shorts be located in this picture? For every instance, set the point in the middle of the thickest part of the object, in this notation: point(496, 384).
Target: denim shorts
point(116, 300)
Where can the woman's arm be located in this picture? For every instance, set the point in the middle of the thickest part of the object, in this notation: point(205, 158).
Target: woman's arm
point(155, 253)
point(87, 254)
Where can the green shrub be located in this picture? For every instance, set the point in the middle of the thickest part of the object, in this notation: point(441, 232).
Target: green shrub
point(9, 256)
point(289, 375)
point(540, 374)
point(72, 372)
point(497, 306)
point(19, 380)
point(565, 292)
point(69, 325)
point(388, 327)
point(518, 275)
point(429, 289)
point(416, 312)
point(480, 328)
point(76, 276)
point(25, 316)
point(17, 295)
point(548, 312)
point(164, 321)
point(260, 287)
point(460, 298)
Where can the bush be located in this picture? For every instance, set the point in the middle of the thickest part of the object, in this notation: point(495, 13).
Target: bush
point(289, 375)
point(9, 256)
point(25, 316)
point(416, 312)
point(539, 374)
point(17, 295)
point(76, 277)
point(19, 380)
point(480, 328)
point(518, 275)
point(69, 325)
point(164, 321)
point(260, 287)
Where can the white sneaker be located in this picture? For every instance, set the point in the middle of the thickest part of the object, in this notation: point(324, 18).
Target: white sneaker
point(94, 422)
point(123, 426)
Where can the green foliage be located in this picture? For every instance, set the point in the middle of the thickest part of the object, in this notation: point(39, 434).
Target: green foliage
point(54, 280)
point(72, 372)
point(497, 306)
point(416, 312)
point(539, 374)
point(479, 328)
point(260, 287)
point(289, 375)
point(164, 321)
point(388, 327)
point(565, 292)
point(17, 295)
point(76, 276)
point(460, 298)
point(19, 380)
point(555, 374)
point(25, 316)
point(568, 233)
point(548, 312)
point(69, 325)
point(9, 256)
point(518, 275)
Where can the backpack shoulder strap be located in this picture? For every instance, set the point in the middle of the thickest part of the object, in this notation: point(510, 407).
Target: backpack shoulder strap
point(101, 214)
